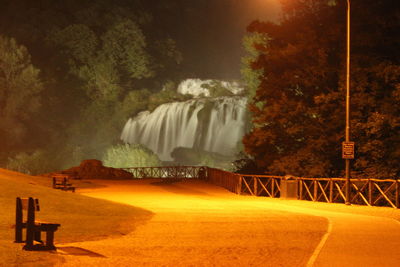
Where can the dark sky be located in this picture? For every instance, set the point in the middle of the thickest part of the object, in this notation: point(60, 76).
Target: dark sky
point(210, 32)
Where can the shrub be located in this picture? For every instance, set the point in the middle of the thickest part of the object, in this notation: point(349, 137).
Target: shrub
point(135, 155)
point(30, 163)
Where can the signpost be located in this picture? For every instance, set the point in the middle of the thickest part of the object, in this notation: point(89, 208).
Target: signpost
point(348, 150)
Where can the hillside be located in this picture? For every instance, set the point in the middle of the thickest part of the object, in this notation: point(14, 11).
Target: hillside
point(82, 218)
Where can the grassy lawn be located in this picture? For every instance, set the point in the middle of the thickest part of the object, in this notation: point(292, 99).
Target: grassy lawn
point(82, 218)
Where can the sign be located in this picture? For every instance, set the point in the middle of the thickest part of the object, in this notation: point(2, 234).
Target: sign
point(348, 150)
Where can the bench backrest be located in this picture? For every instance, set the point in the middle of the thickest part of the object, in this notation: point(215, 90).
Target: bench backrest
point(31, 205)
point(60, 176)
point(25, 203)
point(60, 181)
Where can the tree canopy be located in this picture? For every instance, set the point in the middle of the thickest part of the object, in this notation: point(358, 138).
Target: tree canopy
point(99, 61)
point(20, 87)
point(300, 123)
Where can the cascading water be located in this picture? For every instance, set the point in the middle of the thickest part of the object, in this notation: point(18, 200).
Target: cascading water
point(209, 124)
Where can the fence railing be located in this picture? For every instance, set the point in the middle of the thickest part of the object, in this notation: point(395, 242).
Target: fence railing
point(260, 185)
point(196, 172)
point(370, 192)
point(228, 180)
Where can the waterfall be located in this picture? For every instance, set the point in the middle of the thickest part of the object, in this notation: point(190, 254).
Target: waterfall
point(209, 124)
point(196, 87)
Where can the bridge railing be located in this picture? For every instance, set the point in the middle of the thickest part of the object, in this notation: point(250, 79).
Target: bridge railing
point(370, 192)
point(196, 172)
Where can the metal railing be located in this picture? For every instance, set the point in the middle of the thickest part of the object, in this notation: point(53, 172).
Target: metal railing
point(196, 172)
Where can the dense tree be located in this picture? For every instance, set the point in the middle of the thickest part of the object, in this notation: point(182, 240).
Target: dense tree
point(250, 76)
point(20, 88)
point(94, 57)
point(300, 124)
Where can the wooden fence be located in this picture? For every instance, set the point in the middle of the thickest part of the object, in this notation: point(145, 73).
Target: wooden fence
point(260, 185)
point(228, 180)
point(370, 192)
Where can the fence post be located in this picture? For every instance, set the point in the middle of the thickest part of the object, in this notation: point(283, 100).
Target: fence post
point(300, 189)
point(370, 188)
point(239, 185)
point(330, 190)
point(315, 189)
point(255, 186)
point(273, 187)
point(397, 193)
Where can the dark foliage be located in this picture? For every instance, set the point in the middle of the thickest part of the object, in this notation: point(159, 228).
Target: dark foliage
point(300, 125)
point(95, 63)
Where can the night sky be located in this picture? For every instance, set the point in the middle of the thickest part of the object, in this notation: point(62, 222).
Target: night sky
point(210, 32)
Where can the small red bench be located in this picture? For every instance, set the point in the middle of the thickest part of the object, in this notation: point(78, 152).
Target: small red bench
point(61, 181)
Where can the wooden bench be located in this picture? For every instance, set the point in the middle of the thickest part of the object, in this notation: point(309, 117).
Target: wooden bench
point(61, 181)
point(33, 228)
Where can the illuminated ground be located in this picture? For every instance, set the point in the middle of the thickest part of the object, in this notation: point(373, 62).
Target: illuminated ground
point(197, 224)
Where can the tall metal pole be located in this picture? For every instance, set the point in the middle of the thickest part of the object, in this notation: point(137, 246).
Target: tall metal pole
point(348, 103)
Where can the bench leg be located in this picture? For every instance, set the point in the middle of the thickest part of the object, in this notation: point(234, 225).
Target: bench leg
point(50, 240)
point(29, 240)
point(30, 236)
point(30, 225)
point(38, 236)
point(18, 234)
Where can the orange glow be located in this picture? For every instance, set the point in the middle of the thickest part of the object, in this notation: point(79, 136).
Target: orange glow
point(261, 9)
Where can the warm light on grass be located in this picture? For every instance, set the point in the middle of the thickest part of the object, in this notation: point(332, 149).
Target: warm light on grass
point(82, 218)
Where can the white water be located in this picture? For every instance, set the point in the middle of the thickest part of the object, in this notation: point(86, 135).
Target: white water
point(195, 87)
point(210, 124)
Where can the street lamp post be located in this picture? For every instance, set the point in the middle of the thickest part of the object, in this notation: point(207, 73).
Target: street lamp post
point(348, 104)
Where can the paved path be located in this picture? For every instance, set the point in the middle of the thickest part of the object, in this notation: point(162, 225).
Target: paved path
point(352, 239)
point(197, 224)
point(358, 240)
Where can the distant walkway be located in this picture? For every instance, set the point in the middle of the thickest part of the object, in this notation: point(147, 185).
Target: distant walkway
point(198, 224)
